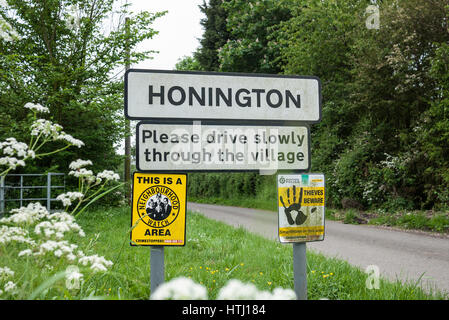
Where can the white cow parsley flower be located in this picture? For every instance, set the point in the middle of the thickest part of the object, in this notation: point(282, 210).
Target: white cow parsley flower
point(180, 289)
point(78, 164)
point(10, 286)
point(14, 234)
point(13, 151)
point(36, 107)
point(237, 290)
point(60, 223)
point(45, 128)
point(5, 272)
point(30, 214)
point(68, 138)
point(108, 175)
point(67, 198)
point(97, 263)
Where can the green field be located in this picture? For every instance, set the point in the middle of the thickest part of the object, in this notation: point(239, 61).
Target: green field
point(213, 254)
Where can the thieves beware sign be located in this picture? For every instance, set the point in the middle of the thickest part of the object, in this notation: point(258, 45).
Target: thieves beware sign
point(159, 209)
point(301, 207)
point(158, 94)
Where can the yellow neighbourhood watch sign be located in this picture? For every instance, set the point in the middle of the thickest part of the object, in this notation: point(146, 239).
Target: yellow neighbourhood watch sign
point(158, 214)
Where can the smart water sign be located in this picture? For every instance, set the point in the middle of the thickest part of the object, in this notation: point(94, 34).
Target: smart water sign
point(301, 207)
point(157, 94)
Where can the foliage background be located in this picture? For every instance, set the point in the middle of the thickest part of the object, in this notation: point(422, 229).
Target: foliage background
point(70, 57)
point(383, 139)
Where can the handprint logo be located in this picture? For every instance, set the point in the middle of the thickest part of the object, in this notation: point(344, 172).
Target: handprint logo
point(294, 206)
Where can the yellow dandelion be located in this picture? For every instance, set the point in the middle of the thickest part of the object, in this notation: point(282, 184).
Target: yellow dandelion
point(201, 267)
point(313, 271)
point(226, 269)
point(261, 273)
point(269, 283)
point(242, 264)
point(331, 274)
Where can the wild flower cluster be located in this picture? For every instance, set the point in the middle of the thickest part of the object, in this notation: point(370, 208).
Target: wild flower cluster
point(182, 288)
point(36, 107)
point(31, 232)
point(39, 236)
point(87, 181)
point(42, 131)
point(15, 153)
point(67, 198)
point(7, 285)
point(52, 131)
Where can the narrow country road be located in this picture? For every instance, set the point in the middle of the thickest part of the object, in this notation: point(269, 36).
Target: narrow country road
point(398, 254)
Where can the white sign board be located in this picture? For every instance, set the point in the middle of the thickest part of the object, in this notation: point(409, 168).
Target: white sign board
point(197, 147)
point(301, 207)
point(157, 94)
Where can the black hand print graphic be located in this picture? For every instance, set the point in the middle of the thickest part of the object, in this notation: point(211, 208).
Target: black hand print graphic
point(294, 206)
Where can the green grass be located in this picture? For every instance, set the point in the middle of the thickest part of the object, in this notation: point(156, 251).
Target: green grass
point(213, 254)
point(438, 222)
point(409, 220)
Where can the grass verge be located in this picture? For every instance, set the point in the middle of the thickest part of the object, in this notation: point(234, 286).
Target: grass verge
point(409, 220)
point(215, 252)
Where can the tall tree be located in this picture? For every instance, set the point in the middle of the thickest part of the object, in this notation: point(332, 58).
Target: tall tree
point(69, 56)
point(251, 47)
point(215, 34)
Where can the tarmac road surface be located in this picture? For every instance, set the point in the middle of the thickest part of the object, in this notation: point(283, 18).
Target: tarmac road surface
point(398, 254)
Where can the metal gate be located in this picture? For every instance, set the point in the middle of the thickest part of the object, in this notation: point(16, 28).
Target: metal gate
point(16, 188)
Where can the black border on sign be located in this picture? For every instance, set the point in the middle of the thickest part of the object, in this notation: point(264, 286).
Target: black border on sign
point(132, 212)
point(186, 122)
point(232, 74)
point(324, 207)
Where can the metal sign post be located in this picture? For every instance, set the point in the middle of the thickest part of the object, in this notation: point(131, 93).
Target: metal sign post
point(301, 219)
point(300, 270)
point(158, 217)
point(157, 267)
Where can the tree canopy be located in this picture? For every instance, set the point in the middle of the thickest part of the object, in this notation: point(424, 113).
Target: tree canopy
point(383, 139)
point(70, 55)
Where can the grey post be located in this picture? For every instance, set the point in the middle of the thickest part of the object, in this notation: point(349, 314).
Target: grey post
point(157, 267)
point(48, 191)
point(21, 191)
point(2, 195)
point(300, 270)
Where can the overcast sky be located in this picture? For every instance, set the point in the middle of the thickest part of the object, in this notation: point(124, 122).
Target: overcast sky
point(179, 31)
